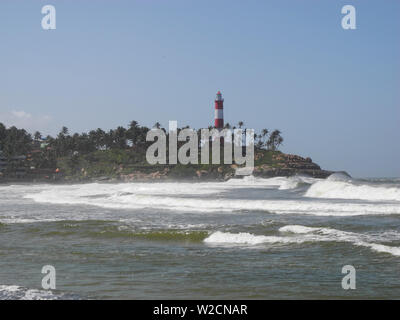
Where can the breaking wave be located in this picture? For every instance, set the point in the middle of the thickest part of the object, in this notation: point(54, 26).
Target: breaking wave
point(294, 195)
point(281, 183)
point(220, 237)
point(13, 292)
point(301, 234)
point(184, 204)
point(342, 236)
point(331, 189)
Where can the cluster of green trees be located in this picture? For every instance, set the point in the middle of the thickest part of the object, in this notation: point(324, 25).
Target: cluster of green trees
point(265, 140)
point(269, 141)
point(119, 138)
point(15, 141)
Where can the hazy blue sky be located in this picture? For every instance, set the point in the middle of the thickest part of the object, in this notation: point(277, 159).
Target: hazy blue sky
point(333, 93)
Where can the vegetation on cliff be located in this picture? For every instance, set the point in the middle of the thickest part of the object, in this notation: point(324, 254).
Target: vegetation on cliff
point(121, 154)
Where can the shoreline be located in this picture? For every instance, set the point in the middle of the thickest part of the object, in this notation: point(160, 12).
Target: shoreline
point(321, 174)
point(102, 167)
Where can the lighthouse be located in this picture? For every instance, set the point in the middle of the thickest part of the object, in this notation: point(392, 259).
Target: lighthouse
point(219, 111)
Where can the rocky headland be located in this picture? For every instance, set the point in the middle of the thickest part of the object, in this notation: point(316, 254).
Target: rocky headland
point(118, 167)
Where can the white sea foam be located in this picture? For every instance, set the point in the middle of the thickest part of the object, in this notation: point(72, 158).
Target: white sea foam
point(12, 292)
point(199, 198)
point(349, 190)
point(342, 236)
point(26, 220)
point(298, 229)
point(120, 200)
point(302, 234)
point(219, 237)
point(282, 183)
point(339, 176)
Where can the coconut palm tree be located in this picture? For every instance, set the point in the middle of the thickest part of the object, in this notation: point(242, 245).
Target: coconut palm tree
point(275, 140)
point(64, 131)
point(37, 135)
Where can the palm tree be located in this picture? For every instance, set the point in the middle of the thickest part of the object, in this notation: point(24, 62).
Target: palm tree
point(275, 140)
point(133, 132)
point(37, 135)
point(120, 137)
point(100, 138)
point(279, 141)
point(263, 138)
point(64, 130)
point(264, 132)
point(14, 141)
point(240, 124)
point(133, 124)
point(141, 136)
point(258, 138)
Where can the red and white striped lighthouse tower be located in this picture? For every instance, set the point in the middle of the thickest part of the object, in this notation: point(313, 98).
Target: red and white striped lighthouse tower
point(219, 111)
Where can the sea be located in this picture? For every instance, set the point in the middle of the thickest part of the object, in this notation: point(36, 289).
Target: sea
point(250, 238)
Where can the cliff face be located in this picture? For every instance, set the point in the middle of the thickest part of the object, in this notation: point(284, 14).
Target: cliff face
point(289, 165)
point(267, 164)
point(118, 166)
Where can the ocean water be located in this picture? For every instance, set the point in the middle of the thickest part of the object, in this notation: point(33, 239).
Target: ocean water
point(251, 238)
